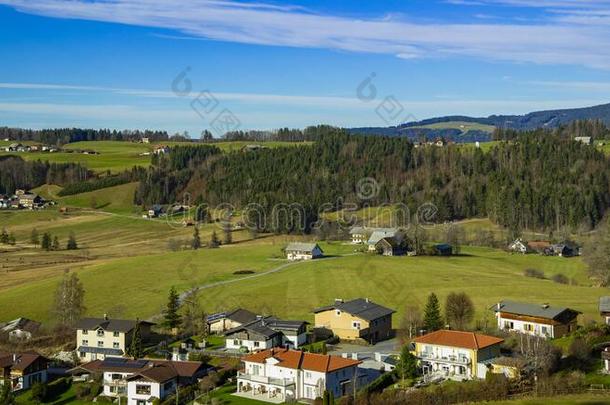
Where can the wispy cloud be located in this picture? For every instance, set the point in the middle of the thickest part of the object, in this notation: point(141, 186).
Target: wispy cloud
point(552, 42)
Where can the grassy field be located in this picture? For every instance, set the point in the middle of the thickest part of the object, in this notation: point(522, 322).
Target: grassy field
point(582, 399)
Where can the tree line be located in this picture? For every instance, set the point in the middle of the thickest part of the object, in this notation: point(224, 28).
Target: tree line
point(62, 136)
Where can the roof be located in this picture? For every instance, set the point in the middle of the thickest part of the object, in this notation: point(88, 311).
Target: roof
point(302, 247)
point(454, 338)
point(443, 246)
point(118, 325)
point(360, 307)
point(158, 373)
point(539, 244)
point(258, 327)
point(604, 304)
point(19, 361)
point(241, 315)
point(539, 311)
point(25, 324)
point(389, 241)
point(120, 364)
point(285, 325)
point(381, 233)
point(296, 359)
point(359, 230)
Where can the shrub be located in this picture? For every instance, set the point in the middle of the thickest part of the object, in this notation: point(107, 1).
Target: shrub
point(82, 391)
point(39, 392)
point(534, 273)
point(560, 279)
point(238, 272)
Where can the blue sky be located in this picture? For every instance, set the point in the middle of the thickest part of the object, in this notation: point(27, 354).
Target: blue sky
point(111, 63)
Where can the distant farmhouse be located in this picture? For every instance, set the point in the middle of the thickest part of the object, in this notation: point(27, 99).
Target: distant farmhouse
point(565, 249)
point(98, 338)
point(379, 234)
point(538, 320)
point(356, 319)
point(222, 322)
point(23, 199)
point(303, 251)
point(604, 309)
point(583, 139)
point(20, 329)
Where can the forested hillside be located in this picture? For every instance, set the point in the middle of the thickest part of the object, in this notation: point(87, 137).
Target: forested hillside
point(537, 181)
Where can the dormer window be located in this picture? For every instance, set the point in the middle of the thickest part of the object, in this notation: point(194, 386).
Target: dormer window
point(85, 331)
point(115, 334)
point(100, 332)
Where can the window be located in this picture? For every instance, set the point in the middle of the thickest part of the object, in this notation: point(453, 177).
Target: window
point(85, 342)
point(142, 389)
point(85, 332)
point(338, 312)
point(356, 325)
point(168, 385)
point(83, 354)
point(256, 370)
point(236, 342)
point(100, 343)
point(116, 376)
point(509, 325)
point(545, 330)
point(116, 345)
point(528, 327)
point(257, 344)
point(100, 332)
point(115, 334)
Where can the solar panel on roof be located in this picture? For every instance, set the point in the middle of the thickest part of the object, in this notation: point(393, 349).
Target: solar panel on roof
point(214, 317)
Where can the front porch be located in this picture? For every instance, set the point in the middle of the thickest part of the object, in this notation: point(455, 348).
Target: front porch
point(261, 388)
point(438, 370)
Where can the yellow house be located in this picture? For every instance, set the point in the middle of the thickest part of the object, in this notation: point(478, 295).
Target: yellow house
point(456, 355)
point(356, 319)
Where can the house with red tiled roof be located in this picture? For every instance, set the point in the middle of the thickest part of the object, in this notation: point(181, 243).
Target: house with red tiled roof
point(457, 355)
point(282, 375)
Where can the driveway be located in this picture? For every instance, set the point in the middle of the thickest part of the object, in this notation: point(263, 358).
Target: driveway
point(391, 346)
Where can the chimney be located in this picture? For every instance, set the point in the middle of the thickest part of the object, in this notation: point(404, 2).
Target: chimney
point(105, 317)
point(545, 306)
point(367, 300)
point(14, 357)
point(338, 300)
point(354, 356)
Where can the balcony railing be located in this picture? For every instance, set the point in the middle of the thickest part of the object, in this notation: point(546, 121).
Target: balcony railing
point(282, 382)
point(447, 359)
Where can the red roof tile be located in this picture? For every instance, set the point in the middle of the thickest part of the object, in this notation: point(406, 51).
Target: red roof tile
point(454, 338)
point(301, 360)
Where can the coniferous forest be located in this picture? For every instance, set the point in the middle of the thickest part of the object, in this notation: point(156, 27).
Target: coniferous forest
point(537, 180)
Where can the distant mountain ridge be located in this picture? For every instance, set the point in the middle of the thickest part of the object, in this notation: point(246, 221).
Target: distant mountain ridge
point(433, 127)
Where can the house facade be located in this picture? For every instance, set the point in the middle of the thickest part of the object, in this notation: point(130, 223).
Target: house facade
point(359, 235)
point(282, 375)
point(518, 246)
point(98, 338)
point(457, 355)
point(390, 247)
point(356, 319)
point(20, 329)
point(22, 370)
point(303, 251)
point(379, 233)
point(604, 309)
point(538, 320)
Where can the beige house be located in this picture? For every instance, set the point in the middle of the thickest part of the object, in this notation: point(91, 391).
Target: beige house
point(356, 319)
point(98, 338)
point(224, 321)
point(303, 251)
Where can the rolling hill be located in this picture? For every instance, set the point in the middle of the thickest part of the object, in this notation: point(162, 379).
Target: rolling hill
point(468, 129)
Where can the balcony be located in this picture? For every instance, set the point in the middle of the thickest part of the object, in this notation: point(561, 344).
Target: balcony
point(280, 382)
point(444, 359)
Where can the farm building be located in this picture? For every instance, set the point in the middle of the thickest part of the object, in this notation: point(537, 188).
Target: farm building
point(223, 321)
point(303, 251)
point(538, 320)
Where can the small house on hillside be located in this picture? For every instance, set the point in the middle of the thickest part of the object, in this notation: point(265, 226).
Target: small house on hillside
point(20, 329)
point(380, 233)
point(303, 251)
point(583, 139)
point(22, 370)
point(359, 234)
point(564, 250)
point(443, 249)
point(266, 333)
point(390, 247)
point(538, 320)
point(519, 246)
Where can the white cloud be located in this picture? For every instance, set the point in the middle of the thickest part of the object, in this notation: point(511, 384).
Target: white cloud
point(557, 42)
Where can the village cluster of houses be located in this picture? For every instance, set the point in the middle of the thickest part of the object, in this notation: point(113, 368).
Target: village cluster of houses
point(23, 199)
point(18, 147)
point(544, 247)
point(274, 369)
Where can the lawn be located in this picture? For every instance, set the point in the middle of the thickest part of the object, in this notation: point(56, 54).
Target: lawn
point(582, 399)
point(461, 125)
point(224, 397)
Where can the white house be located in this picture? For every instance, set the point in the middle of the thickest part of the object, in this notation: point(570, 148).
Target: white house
point(266, 333)
point(359, 235)
point(604, 309)
point(282, 375)
point(518, 246)
point(538, 320)
point(139, 380)
point(457, 355)
point(98, 338)
point(20, 329)
point(303, 251)
point(583, 139)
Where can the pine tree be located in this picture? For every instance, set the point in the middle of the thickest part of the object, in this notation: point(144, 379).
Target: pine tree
point(46, 241)
point(407, 364)
point(171, 315)
point(72, 245)
point(34, 237)
point(55, 245)
point(196, 242)
point(432, 314)
point(6, 395)
point(228, 239)
point(214, 241)
point(135, 347)
point(4, 236)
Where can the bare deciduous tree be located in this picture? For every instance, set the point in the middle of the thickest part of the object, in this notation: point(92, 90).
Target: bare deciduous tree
point(459, 310)
point(69, 300)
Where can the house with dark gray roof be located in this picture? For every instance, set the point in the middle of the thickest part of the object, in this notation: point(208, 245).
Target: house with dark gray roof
point(359, 319)
point(224, 321)
point(266, 333)
point(379, 233)
point(604, 308)
point(540, 320)
point(98, 338)
point(20, 329)
point(303, 251)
